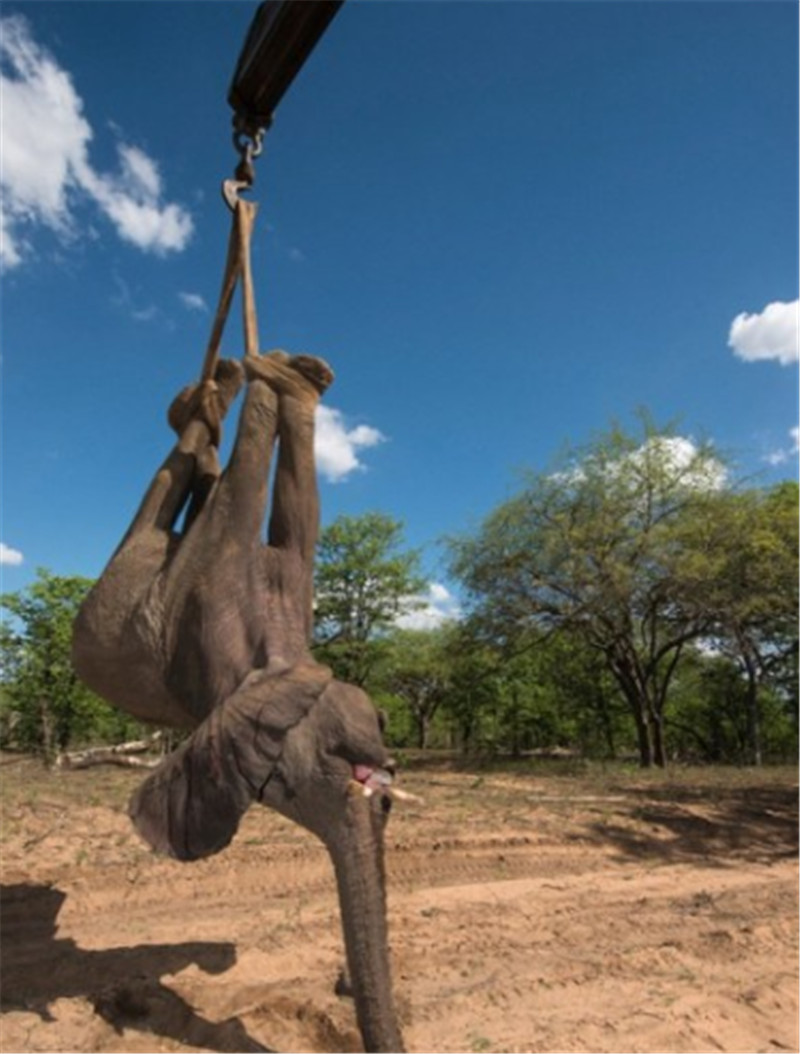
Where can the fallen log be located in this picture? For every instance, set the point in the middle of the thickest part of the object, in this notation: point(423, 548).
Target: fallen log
point(122, 754)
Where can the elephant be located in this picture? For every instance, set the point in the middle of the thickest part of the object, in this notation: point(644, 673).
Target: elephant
point(199, 623)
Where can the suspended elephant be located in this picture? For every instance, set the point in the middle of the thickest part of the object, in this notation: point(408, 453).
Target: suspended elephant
point(199, 623)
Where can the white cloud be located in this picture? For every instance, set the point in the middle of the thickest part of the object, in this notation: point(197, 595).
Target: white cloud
point(9, 556)
point(677, 458)
point(784, 454)
point(193, 301)
point(145, 314)
point(430, 610)
point(681, 459)
point(337, 447)
point(140, 171)
point(46, 170)
point(10, 250)
point(772, 334)
point(124, 298)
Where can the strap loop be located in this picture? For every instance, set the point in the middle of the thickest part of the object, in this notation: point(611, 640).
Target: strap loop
point(237, 266)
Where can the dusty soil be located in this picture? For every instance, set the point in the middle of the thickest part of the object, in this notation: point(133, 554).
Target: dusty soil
point(530, 911)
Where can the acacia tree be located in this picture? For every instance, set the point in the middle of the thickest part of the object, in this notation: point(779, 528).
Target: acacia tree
point(592, 549)
point(363, 582)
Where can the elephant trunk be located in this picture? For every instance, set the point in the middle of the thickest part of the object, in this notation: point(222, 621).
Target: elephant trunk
point(357, 853)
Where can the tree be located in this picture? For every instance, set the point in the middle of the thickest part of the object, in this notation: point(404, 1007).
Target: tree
point(45, 707)
point(363, 582)
point(753, 598)
point(709, 719)
point(416, 669)
point(594, 550)
point(474, 668)
point(591, 712)
point(539, 691)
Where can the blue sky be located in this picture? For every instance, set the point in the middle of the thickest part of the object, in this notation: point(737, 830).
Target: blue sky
point(504, 224)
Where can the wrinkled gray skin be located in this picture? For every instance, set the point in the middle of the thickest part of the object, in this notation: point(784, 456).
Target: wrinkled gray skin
point(206, 627)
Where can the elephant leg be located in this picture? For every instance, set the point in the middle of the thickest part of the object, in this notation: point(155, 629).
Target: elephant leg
point(207, 472)
point(281, 399)
point(172, 484)
point(213, 593)
point(120, 632)
point(294, 520)
point(240, 498)
point(193, 463)
point(233, 604)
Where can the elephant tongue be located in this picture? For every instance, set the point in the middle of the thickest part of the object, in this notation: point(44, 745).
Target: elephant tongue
point(367, 780)
point(371, 777)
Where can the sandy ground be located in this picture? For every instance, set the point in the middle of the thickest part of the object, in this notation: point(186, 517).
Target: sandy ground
point(537, 912)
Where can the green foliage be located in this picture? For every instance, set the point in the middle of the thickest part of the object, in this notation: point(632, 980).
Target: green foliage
point(398, 723)
point(593, 713)
point(44, 708)
point(549, 693)
point(363, 581)
point(709, 718)
point(750, 597)
point(414, 668)
point(474, 665)
point(629, 602)
point(635, 548)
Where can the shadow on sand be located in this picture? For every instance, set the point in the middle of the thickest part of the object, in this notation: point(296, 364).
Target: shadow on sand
point(676, 825)
point(123, 984)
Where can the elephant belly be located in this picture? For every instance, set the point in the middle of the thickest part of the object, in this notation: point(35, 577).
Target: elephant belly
point(213, 641)
point(118, 639)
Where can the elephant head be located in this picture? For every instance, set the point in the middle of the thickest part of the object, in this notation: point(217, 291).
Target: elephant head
point(311, 748)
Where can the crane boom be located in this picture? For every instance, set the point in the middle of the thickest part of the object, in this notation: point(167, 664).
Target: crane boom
point(280, 38)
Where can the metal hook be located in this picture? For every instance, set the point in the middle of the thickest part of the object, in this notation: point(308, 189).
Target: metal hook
point(245, 174)
point(249, 145)
point(231, 188)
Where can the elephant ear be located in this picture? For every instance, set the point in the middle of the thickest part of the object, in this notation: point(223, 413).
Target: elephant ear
point(190, 807)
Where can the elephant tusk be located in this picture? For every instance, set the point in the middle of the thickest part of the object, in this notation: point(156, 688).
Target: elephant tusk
point(405, 796)
point(356, 787)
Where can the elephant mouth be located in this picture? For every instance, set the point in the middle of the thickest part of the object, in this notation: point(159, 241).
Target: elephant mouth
point(369, 780)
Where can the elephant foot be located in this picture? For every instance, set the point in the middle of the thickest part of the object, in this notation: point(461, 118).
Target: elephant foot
point(208, 401)
point(302, 376)
point(315, 370)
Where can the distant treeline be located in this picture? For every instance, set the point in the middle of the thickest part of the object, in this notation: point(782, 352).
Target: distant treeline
point(634, 600)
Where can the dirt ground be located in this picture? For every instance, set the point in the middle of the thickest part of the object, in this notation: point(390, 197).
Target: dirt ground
point(530, 911)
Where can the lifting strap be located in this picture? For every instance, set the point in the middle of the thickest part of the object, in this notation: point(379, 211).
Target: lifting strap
point(281, 36)
point(237, 267)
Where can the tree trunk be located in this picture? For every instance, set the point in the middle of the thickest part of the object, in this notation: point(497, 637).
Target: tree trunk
point(607, 725)
point(659, 748)
point(357, 853)
point(516, 745)
point(630, 686)
point(643, 735)
point(753, 721)
point(48, 734)
point(422, 729)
